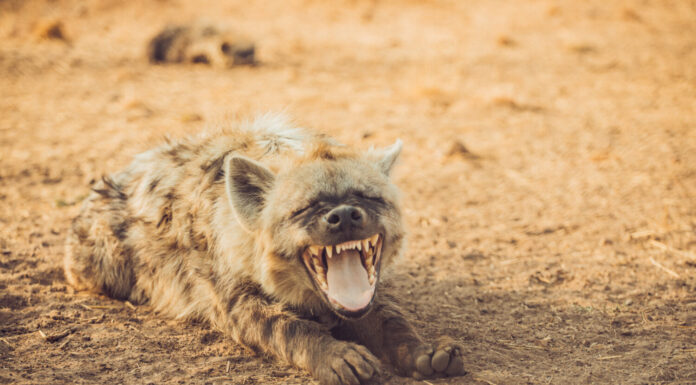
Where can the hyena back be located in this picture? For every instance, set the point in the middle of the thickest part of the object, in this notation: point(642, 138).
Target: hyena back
point(279, 237)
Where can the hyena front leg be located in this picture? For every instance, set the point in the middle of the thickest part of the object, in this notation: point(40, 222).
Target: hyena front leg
point(267, 327)
point(387, 333)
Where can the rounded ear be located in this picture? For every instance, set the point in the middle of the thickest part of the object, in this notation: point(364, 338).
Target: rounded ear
point(388, 156)
point(247, 183)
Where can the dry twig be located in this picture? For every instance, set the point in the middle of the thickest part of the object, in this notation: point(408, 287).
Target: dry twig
point(670, 249)
point(670, 272)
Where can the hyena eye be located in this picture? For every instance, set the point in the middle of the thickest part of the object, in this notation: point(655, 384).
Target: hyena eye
point(370, 197)
point(300, 211)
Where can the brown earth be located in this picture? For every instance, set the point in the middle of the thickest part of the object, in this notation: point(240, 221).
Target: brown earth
point(549, 174)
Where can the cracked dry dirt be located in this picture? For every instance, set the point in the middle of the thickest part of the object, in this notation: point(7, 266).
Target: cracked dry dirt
point(548, 176)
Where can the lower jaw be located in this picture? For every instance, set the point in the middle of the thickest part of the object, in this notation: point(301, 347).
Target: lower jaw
point(352, 314)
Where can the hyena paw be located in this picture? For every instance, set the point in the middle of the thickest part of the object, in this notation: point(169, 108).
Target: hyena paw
point(346, 363)
point(444, 358)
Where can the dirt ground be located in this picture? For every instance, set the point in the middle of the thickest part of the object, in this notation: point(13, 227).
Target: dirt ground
point(548, 175)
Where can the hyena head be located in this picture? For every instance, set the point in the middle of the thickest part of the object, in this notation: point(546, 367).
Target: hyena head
point(327, 225)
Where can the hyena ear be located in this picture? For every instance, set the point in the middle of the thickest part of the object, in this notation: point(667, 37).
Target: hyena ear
point(247, 182)
point(388, 156)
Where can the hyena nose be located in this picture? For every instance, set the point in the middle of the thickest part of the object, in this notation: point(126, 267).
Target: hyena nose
point(344, 217)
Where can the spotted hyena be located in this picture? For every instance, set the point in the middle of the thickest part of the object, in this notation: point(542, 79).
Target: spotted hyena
point(277, 236)
point(201, 43)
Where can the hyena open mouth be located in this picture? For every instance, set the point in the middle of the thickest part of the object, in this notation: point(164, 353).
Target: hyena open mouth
point(346, 273)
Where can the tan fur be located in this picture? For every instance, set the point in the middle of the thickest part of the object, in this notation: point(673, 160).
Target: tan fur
point(165, 231)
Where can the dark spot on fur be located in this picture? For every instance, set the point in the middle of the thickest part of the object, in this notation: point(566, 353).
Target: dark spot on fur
point(291, 330)
point(200, 59)
point(79, 229)
point(177, 153)
point(153, 185)
point(241, 292)
point(111, 189)
point(120, 229)
point(214, 168)
point(165, 217)
point(161, 44)
point(268, 326)
point(256, 349)
point(188, 287)
point(212, 277)
point(179, 267)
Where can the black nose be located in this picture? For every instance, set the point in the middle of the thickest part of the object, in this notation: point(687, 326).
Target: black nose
point(344, 217)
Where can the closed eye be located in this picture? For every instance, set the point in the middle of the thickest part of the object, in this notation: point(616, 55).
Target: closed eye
point(299, 212)
point(362, 195)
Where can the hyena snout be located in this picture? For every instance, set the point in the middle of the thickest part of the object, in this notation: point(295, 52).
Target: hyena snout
point(344, 218)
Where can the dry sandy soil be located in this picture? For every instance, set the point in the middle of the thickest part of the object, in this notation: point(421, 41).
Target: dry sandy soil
point(548, 177)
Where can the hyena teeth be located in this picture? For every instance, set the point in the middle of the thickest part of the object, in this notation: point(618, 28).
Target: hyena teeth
point(368, 257)
point(329, 251)
point(374, 239)
point(358, 245)
point(315, 250)
point(322, 282)
point(318, 265)
point(371, 275)
point(365, 245)
point(378, 254)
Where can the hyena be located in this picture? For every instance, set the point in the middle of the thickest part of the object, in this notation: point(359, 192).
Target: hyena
point(275, 235)
point(200, 43)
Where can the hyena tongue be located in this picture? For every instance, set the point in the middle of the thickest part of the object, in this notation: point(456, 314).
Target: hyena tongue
point(347, 279)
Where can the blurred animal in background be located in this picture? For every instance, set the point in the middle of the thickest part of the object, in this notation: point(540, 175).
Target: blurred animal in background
point(203, 44)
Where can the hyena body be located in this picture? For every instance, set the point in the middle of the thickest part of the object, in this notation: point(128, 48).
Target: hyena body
point(200, 43)
point(276, 236)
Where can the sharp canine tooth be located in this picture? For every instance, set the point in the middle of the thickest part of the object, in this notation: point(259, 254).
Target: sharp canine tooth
point(315, 250)
point(365, 244)
point(329, 251)
point(358, 245)
point(374, 239)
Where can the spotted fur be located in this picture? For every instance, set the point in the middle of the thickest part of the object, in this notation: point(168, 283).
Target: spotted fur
point(213, 227)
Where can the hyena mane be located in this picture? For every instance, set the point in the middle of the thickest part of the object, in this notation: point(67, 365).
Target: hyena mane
point(278, 236)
